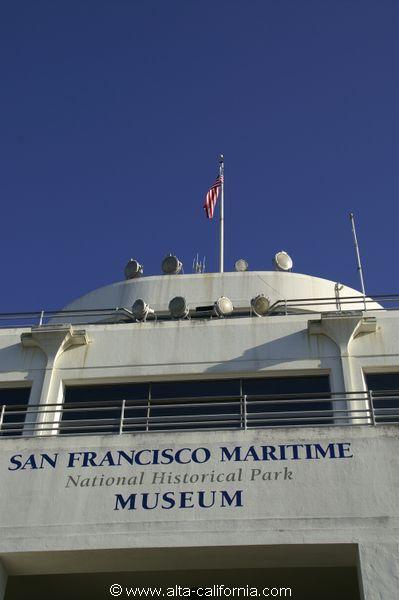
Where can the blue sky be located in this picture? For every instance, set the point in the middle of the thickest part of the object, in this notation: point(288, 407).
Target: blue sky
point(113, 114)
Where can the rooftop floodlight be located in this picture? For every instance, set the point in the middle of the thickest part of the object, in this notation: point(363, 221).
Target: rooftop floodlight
point(260, 305)
point(178, 307)
point(171, 265)
point(283, 261)
point(141, 310)
point(133, 269)
point(241, 265)
point(223, 306)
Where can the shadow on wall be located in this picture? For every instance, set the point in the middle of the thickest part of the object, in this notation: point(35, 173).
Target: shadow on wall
point(16, 359)
point(298, 346)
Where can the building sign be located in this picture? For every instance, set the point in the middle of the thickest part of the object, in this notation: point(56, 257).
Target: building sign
point(222, 477)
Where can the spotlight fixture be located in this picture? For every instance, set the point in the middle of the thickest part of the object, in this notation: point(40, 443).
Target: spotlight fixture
point(241, 265)
point(283, 261)
point(141, 310)
point(171, 265)
point(133, 269)
point(260, 305)
point(223, 306)
point(178, 307)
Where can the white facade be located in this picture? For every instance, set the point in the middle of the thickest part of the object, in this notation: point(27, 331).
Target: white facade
point(331, 505)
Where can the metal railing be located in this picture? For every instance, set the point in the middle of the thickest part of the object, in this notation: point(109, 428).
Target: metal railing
point(200, 413)
point(41, 318)
point(341, 304)
point(289, 306)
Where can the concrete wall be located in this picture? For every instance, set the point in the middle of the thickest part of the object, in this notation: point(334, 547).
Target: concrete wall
point(350, 496)
point(53, 506)
point(332, 500)
point(379, 570)
point(239, 346)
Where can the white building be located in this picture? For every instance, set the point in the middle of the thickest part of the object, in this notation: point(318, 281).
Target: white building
point(235, 450)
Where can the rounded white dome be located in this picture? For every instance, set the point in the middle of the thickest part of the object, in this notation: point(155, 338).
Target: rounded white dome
point(204, 289)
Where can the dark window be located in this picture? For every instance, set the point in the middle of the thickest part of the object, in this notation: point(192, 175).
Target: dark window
point(385, 389)
point(15, 401)
point(197, 404)
point(210, 404)
point(98, 408)
point(278, 401)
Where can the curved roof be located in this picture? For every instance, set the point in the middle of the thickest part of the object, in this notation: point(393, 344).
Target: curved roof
point(240, 287)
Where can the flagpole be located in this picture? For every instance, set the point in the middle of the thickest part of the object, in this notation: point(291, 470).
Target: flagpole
point(221, 174)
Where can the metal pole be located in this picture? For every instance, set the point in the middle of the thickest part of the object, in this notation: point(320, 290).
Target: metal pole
point(3, 410)
point(147, 422)
point(221, 175)
point(359, 263)
point(371, 407)
point(121, 422)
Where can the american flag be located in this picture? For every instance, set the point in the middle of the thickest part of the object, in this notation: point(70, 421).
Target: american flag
point(212, 196)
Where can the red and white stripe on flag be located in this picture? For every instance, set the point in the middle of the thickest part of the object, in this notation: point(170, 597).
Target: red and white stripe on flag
point(212, 196)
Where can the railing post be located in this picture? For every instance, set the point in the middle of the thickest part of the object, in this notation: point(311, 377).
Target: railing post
point(245, 411)
point(41, 318)
point(371, 405)
point(148, 413)
point(122, 417)
point(3, 410)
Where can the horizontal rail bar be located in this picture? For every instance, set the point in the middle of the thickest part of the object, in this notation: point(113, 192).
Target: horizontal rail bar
point(290, 305)
point(90, 417)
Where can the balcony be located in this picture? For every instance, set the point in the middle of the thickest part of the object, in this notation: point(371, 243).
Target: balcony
point(216, 413)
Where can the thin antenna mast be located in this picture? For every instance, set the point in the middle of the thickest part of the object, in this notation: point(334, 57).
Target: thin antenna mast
point(359, 262)
point(198, 265)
